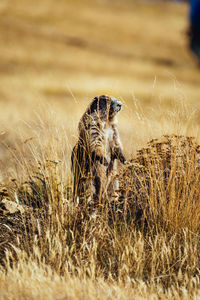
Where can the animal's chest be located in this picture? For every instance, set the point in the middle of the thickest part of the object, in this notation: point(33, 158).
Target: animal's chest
point(109, 138)
point(108, 134)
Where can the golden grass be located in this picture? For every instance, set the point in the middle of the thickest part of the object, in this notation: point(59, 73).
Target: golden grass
point(54, 58)
point(114, 252)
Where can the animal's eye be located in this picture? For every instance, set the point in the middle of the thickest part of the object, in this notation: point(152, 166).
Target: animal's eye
point(112, 105)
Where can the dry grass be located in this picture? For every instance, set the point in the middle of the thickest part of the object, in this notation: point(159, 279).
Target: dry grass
point(54, 59)
point(59, 251)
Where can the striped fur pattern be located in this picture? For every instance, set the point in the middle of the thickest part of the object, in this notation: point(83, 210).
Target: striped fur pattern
point(94, 157)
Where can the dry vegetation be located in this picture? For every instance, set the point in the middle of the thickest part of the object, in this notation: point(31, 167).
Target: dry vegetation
point(56, 56)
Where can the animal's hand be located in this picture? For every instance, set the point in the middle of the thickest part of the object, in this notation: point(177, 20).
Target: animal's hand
point(118, 155)
point(100, 158)
point(122, 158)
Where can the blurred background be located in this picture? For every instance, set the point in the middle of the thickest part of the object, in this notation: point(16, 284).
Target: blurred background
point(55, 56)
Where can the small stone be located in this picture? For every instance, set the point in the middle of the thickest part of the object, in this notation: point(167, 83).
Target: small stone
point(12, 207)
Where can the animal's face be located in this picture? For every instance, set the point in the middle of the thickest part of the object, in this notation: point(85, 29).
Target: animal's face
point(115, 107)
point(106, 106)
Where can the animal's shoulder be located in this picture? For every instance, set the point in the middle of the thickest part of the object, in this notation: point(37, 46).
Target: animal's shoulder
point(89, 121)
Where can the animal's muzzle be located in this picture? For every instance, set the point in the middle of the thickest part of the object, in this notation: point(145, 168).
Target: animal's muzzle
point(119, 106)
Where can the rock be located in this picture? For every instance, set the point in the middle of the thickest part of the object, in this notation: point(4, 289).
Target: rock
point(12, 207)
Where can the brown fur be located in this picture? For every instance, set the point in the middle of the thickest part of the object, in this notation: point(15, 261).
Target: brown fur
point(94, 157)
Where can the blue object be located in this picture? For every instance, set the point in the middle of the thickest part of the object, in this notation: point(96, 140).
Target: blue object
point(195, 13)
point(195, 27)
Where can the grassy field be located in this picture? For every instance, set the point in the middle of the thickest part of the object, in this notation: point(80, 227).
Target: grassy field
point(55, 56)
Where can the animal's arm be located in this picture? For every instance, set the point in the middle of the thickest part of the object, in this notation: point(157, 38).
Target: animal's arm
point(117, 151)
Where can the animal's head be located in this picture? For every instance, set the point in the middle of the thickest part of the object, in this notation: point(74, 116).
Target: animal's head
point(107, 107)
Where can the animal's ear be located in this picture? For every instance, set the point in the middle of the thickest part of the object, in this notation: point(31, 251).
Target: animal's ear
point(93, 106)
